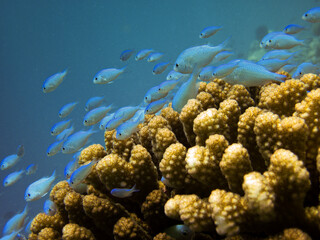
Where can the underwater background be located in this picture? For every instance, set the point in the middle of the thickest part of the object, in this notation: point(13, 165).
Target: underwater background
point(40, 38)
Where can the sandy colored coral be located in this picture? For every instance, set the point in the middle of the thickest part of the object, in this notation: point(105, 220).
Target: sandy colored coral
point(312, 81)
point(234, 165)
point(42, 221)
point(241, 95)
point(73, 231)
point(115, 172)
point(206, 100)
point(48, 234)
point(94, 151)
point(193, 211)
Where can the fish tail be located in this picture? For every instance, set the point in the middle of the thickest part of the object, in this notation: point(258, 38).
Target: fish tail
point(20, 151)
point(280, 78)
point(134, 189)
point(224, 44)
point(54, 174)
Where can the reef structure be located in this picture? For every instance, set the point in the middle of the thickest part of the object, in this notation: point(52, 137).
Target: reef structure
point(238, 164)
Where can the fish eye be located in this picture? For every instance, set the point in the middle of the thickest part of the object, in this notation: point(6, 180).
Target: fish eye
point(72, 182)
point(52, 132)
point(270, 40)
point(63, 148)
point(96, 78)
point(85, 121)
point(44, 88)
point(28, 194)
point(306, 15)
point(120, 134)
point(48, 153)
point(177, 65)
point(184, 233)
point(300, 73)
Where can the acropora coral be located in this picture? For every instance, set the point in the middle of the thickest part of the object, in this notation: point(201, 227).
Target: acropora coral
point(236, 163)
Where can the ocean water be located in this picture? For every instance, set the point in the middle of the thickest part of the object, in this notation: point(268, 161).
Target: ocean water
point(39, 38)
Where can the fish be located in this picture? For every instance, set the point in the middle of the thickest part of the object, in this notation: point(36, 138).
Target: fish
point(31, 169)
point(154, 56)
point(166, 182)
point(39, 188)
point(67, 109)
point(293, 29)
point(273, 65)
point(15, 223)
point(12, 178)
point(156, 106)
point(11, 236)
point(206, 73)
point(59, 127)
point(153, 94)
point(126, 54)
point(198, 55)
point(54, 148)
point(289, 68)
point(93, 103)
point(76, 141)
point(81, 188)
point(11, 160)
point(123, 192)
point(304, 68)
point(50, 208)
point(180, 232)
point(126, 112)
point(80, 174)
point(251, 74)
point(108, 75)
point(225, 69)
point(278, 54)
point(160, 68)
point(105, 120)
point(222, 56)
point(312, 15)
point(126, 129)
point(27, 229)
point(267, 37)
point(167, 86)
point(142, 54)
point(284, 41)
point(173, 75)
point(209, 31)
point(70, 168)
point(96, 115)
point(65, 133)
point(186, 91)
point(52, 82)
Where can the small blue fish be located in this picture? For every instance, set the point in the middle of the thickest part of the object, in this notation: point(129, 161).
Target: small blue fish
point(123, 192)
point(278, 54)
point(284, 41)
point(167, 86)
point(11, 236)
point(267, 37)
point(209, 31)
point(80, 174)
point(27, 229)
point(105, 120)
point(222, 56)
point(154, 94)
point(67, 109)
point(142, 54)
point(251, 74)
point(11, 160)
point(96, 115)
point(273, 65)
point(12, 178)
point(126, 129)
point(31, 169)
point(16, 222)
point(70, 168)
point(180, 232)
point(108, 75)
point(199, 56)
point(59, 127)
point(65, 133)
point(166, 182)
point(289, 68)
point(39, 188)
point(206, 73)
point(52, 82)
point(160, 68)
point(156, 106)
point(50, 208)
point(126, 112)
point(54, 148)
point(173, 75)
point(126, 54)
point(76, 141)
point(81, 188)
point(293, 29)
point(154, 56)
point(225, 69)
point(304, 68)
point(187, 91)
point(312, 15)
point(93, 103)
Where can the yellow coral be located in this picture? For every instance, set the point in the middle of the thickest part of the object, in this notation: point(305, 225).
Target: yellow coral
point(73, 231)
point(48, 234)
point(94, 151)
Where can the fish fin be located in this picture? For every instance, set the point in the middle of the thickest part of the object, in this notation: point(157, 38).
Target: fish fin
point(20, 151)
point(134, 189)
point(280, 78)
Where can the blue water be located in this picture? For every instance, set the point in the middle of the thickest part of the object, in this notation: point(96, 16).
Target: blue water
point(40, 38)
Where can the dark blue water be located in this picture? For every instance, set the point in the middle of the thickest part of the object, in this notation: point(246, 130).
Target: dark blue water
point(40, 38)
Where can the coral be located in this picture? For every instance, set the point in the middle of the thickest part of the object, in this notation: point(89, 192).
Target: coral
point(42, 221)
point(49, 234)
point(73, 231)
point(241, 95)
point(195, 212)
point(312, 81)
point(163, 236)
point(94, 151)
